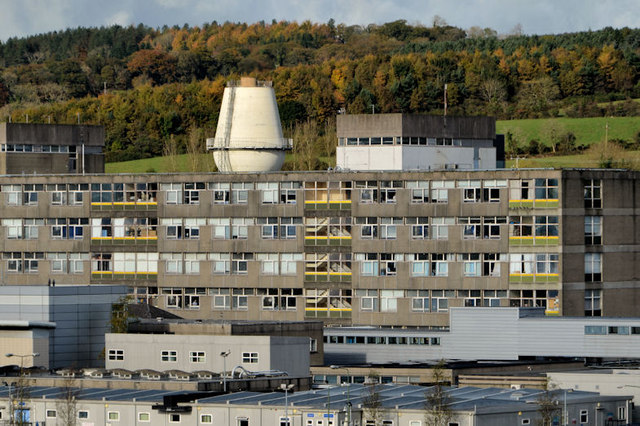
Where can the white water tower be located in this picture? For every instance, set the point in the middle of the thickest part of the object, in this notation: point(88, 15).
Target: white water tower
point(249, 134)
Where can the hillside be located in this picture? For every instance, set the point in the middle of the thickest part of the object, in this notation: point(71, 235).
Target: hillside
point(147, 86)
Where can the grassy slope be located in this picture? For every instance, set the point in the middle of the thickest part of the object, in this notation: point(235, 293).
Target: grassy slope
point(586, 130)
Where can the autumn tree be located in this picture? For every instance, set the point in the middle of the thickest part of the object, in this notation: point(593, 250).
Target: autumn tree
point(438, 410)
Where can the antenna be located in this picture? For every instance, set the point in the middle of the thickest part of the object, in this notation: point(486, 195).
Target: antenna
point(445, 99)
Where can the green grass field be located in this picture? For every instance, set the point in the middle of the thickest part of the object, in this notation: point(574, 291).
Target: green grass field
point(587, 130)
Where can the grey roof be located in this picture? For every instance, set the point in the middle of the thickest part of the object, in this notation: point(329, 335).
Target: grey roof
point(410, 397)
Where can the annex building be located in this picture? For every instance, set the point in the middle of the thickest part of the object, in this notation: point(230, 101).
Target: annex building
point(377, 248)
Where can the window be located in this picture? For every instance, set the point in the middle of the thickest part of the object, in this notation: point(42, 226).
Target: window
point(240, 227)
point(491, 227)
point(288, 263)
point(197, 357)
point(388, 227)
point(368, 191)
point(472, 227)
point(174, 297)
point(471, 191)
point(593, 230)
point(368, 300)
point(491, 190)
point(31, 262)
point(221, 262)
point(546, 226)
point(82, 414)
point(30, 194)
point(440, 227)
point(113, 416)
point(521, 226)
point(173, 192)
point(419, 227)
point(240, 298)
point(440, 190)
point(116, 355)
point(388, 191)
point(192, 263)
point(419, 300)
point(76, 262)
point(289, 226)
point(243, 421)
point(13, 194)
point(419, 191)
point(269, 264)
point(593, 303)
point(192, 228)
point(268, 192)
point(524, 422)
point(471, 264)
point(31, 228)
point(440, 301)
point(368, 264)
point(13, 228)
point(368, 227)
point(313, 345)
point(144, 417)
point(192, 192)
point(419, 264)
point(249, 357)
point(546, 189)
point(221, 298)
point(76, 193)
point(622, 412)
point(240, 263)
point(192, 296)
point(592, 194)
point(388, 263)
point(220, 228)
point(51, 414)
point(546, 264)
point(240, 192)
point(269, 227)
point(624, 330)
point(169, 356)
point(221, 192)
point(389, 300)
point(206, 418)
point(491, 265)
point(592, 267)
point(174, 418)
point(595, 330)
point(584, 416)
point(440, 265)
point(288, 192)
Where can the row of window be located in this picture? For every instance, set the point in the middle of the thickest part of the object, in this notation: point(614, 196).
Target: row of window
point(170, 355)
point(114, 416)
point(286, 192)
point(400, 140)
point(604, 329)
point(382, 340)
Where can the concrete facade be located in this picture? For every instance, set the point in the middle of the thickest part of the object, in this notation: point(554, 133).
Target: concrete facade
point(359, 248)
point(162, 352)
point(80, 315)
point(50, 148)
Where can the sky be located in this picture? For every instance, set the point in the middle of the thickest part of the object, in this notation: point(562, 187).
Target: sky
point(19, 18)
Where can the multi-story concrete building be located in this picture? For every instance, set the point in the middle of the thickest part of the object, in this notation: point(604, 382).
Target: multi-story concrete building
point(349, 248)
point(51, 148)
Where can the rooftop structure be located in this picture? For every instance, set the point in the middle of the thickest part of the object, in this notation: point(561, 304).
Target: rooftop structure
point(249, 135)
point(50, 148)
point(417, 142)
point(399, 405)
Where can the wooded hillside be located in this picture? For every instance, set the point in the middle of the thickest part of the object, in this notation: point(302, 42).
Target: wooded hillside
point(151, 86)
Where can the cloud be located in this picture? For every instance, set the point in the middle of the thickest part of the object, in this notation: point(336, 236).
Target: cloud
point(21, 18)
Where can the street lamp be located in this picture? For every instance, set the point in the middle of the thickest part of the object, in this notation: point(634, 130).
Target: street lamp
point(565, 414)
point(20, 385)
point(286, 387)
point(336, 367)
point(224, 356)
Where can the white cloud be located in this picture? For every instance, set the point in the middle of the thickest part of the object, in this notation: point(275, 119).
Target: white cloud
point(20, 18)
point(121, 18)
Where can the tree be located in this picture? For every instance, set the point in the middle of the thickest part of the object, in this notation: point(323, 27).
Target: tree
point(67, 409)
point(437, 401)
point(195, 149)
point(170, 154)
point(371, 402)
point(305, 146)
point(548, 406)
point(120, 315)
